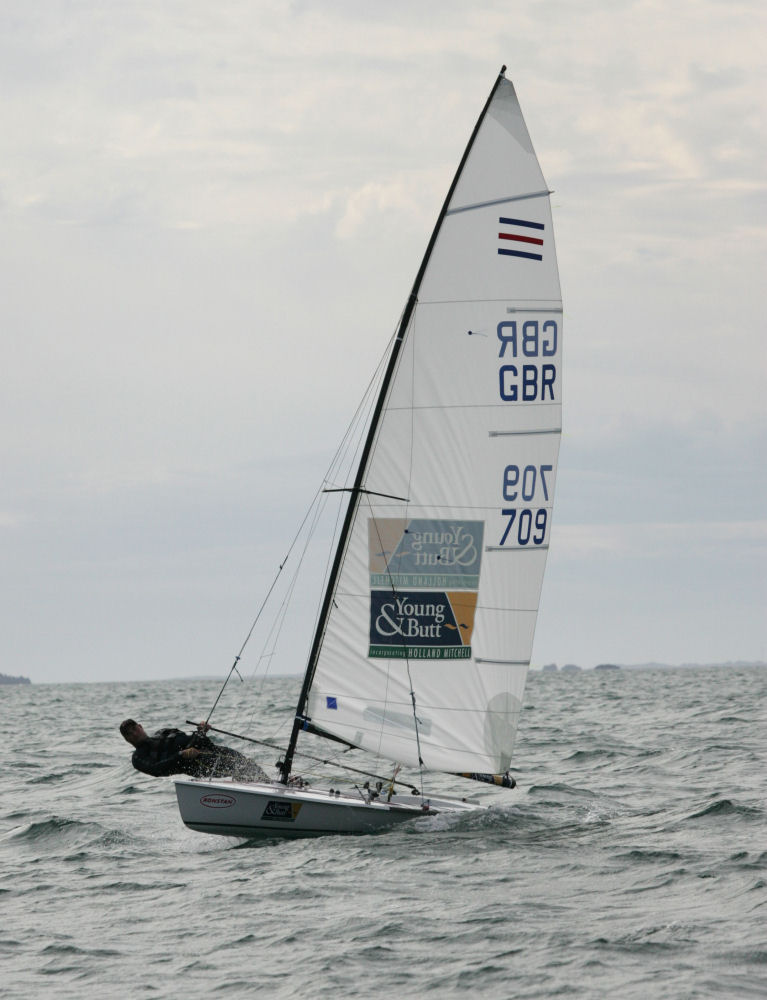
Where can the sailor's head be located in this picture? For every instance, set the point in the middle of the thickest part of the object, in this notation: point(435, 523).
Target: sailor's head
point(132, 731)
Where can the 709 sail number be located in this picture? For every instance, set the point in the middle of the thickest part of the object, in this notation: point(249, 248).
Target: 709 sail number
point(530, 526)
point(527, 479)
point(525, 525)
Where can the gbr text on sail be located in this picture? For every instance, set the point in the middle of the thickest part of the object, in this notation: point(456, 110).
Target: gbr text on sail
point(521, 380)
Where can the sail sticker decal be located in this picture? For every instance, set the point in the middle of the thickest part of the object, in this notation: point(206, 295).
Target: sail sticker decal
point(425, 552)
point(516, 237)
point(281, 811)
point(424, 577)
point(422, 624)
point(331, 702)
point(218, 801)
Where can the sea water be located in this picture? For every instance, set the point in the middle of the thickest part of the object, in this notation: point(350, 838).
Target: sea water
point(630, 862)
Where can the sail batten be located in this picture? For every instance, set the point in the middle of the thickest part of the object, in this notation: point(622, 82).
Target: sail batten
point(542, 430)
point(499, 201)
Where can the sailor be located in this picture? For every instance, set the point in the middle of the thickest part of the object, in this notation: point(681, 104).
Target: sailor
point(170, 751)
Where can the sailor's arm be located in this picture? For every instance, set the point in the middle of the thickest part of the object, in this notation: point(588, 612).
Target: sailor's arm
point(166, 766)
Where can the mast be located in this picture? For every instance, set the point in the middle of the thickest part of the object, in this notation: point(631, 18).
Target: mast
point(299, 722)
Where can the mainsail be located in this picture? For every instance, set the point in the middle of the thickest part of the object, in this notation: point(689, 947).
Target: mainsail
point(425, 638)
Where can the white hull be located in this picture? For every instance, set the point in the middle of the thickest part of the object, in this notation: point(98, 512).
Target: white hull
point(245, 809)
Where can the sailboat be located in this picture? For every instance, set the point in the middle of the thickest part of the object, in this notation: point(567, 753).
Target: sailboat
point(425, 630)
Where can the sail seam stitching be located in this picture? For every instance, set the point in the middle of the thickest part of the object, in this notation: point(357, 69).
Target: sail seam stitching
point(515, 548)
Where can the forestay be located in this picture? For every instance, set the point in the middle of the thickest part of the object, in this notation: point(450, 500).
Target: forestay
point(440, 582)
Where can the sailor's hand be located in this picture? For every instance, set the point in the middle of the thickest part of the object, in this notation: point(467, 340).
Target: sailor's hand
point(203, 727)
point(190, 753)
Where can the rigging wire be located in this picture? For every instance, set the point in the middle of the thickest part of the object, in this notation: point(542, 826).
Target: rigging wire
point(345, 455)
point(374, 520)
point(308, 756)
point(409, 483)
point(406, 658)
point(261, 609)
point(412, 345)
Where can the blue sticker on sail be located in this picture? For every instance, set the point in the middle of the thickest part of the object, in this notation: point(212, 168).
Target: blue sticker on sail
point(425, 552)
point(331, 702)
point(423, 624)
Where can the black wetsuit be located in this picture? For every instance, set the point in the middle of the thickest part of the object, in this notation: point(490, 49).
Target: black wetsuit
point(160, 755)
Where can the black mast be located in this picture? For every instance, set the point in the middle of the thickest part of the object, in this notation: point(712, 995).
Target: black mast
point(356, 489)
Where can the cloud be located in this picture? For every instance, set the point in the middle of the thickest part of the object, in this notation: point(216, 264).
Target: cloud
point(213, 217)
point(659, 541)
point(400, 197)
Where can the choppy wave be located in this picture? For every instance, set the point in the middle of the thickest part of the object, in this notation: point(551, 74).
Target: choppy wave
point(629, 862)
point(726, 807)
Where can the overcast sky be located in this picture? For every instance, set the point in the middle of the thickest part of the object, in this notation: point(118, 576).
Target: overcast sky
point(211, 215)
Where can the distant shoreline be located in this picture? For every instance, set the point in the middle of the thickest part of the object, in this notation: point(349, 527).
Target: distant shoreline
point(726, 665)
point(534, 669)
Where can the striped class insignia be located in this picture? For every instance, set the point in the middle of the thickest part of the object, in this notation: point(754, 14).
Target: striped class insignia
point(518, 233)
